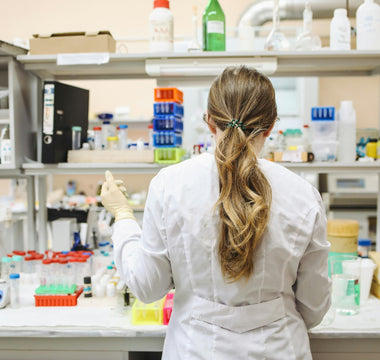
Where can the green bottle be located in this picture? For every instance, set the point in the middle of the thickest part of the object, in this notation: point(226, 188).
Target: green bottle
point(214, 27)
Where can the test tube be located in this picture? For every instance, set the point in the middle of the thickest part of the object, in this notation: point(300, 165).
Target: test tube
point(76, 137)
point(5, 267)
point(123, 137)
point(73, 271)
point(64, 278)
point(29, 264)
point(14, 280)
point(16, 265)
point(45, 278)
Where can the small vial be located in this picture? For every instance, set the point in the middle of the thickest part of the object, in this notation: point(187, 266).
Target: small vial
point(123, 137)
point(98, 138)
point(16, 265)
point(45, 278)
point(364, 247)
point(76, 136)
point(14, 280)
point(150, 130)
point(113, 142)
point(87, 289)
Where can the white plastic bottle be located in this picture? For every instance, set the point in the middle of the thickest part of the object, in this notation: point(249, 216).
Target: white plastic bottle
point(340, 31)
point(368, 26)
point(161, 27)
point(346, 132)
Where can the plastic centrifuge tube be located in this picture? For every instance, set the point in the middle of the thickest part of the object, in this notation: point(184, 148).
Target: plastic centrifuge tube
point(14, 280)
point(276, 39)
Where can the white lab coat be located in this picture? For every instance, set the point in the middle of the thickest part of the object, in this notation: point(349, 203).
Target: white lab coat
point(264, 317)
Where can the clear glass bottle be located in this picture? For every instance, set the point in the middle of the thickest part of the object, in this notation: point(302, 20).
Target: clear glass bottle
point(276, 39)
point(307, 40)
point(214, 27)
point(194, 44)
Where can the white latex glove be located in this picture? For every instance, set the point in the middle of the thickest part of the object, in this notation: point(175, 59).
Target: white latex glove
point(114, 198)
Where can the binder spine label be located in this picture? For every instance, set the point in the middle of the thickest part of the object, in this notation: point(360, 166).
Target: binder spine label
point(48, 120)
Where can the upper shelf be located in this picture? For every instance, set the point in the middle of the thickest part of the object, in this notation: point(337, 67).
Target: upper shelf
point(208, 64)
point(145, 168)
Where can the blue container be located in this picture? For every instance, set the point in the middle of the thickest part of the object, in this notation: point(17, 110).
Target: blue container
point(326, 113)
point(168, 123)
point(161, 109)
point(166, 139)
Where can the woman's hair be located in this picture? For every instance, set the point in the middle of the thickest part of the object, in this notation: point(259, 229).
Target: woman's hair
point(242, 104)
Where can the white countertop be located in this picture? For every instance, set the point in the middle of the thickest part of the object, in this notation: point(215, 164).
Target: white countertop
point(94, 317)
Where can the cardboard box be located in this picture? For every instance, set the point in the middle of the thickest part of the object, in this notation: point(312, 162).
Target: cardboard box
point(110, 156)
point(291, 156)
point(74, 42)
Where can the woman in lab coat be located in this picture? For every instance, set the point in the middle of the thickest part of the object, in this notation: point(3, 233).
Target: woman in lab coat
point(242, 240)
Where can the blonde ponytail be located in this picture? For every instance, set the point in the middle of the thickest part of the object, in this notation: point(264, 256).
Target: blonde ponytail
point(244, 98)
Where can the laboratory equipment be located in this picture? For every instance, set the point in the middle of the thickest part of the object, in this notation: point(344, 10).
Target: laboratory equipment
point(345, 294)
point(76, 137)
point(368, 26)
point(371, 148)
point(123, 136)
point(4, 293)
point(342, 234)
point(276, 40)
point(307, 40)
point(6, 146)
point(364, 247)
point(87, 289)
point(214, 27)
point(161, 27)
point(340, 31)
point(107, 130)
point(148, 314)
point(113, 142)
point(347, 132)
point(194, 44)
point(367, 268)
point(98, 144)
point(5, 267)
point(14, 280)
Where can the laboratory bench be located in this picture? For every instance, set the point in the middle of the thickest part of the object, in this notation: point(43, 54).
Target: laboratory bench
point(97, 328)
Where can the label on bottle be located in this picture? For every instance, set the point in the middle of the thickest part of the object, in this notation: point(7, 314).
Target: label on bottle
point(48, 120)
point(215, 27)
point(161, 31)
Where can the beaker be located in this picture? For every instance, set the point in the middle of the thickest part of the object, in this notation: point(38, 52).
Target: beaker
point(345, 274)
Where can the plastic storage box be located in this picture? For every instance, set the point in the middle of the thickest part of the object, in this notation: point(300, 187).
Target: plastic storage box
point(168, 94)
point(148, 314)
point(168, 122)
point(168, 155)
point(161, 109)
point(167, 139)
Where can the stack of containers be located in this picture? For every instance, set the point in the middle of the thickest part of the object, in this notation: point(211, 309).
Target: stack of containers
point(324, 133)
point(167, 125)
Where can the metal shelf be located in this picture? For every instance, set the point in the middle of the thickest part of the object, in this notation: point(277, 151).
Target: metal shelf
point(145, 168)
point(93, 168)
point(334, 167)
point(286, 63)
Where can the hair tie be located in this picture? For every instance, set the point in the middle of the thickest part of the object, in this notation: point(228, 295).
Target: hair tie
point(235, 123)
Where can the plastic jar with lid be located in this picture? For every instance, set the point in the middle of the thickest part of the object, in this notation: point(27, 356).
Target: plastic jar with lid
point(371, 148)
point(123, 136)
point(113, 142)
point(364, 247)
point(343, 236)
point(107, 130)
point(98, 142)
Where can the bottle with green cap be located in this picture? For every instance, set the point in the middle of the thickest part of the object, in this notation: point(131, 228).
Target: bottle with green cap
point(214, 27)
point(76, 137)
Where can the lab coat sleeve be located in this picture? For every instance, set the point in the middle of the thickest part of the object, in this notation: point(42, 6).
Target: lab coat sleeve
point(141, 256)
point(313, 286)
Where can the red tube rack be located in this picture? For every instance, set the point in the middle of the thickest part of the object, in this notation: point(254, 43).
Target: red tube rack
point(58, 300)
